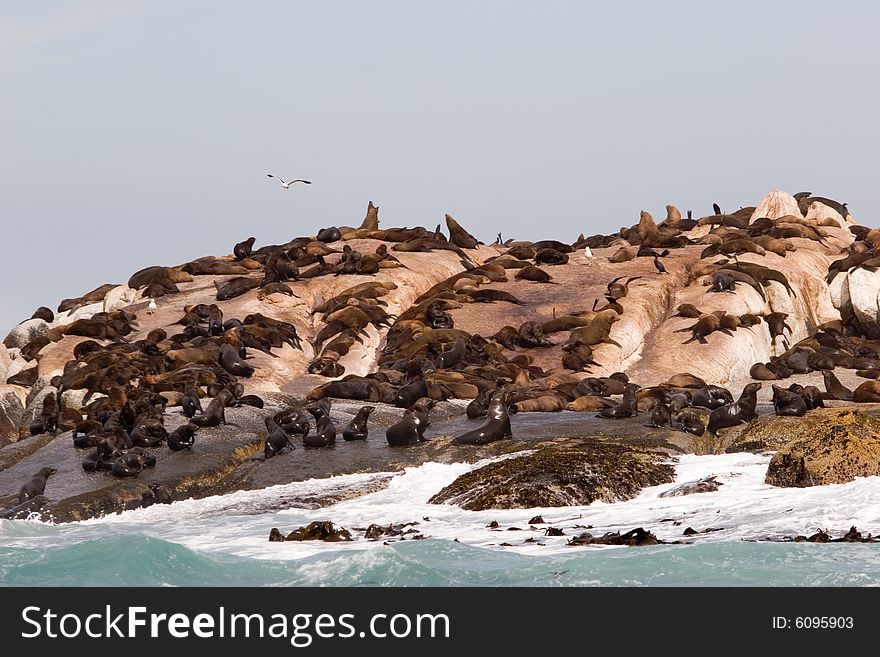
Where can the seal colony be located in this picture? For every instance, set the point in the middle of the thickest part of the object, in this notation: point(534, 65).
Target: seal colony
point(410, 317)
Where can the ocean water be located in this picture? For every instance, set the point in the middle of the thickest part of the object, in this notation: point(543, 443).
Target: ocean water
point(223, 540)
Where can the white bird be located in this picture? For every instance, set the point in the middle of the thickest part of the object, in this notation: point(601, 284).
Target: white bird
point(286, 185)
point(152, 307)
point(588, 253)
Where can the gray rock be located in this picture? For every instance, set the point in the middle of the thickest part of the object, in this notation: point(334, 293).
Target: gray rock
point(25, 332)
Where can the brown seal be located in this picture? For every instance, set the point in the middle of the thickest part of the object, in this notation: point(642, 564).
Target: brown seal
point(35, 485)
point(497, 427)
point(458, 235)
point(411, 427)
point(743, 410)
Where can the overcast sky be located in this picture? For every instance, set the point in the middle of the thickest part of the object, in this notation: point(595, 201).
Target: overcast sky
point(140, 133)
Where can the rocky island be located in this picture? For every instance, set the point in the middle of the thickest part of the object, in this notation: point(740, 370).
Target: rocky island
point(584, 366)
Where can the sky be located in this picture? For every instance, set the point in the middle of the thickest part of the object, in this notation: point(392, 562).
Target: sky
point(141, 133)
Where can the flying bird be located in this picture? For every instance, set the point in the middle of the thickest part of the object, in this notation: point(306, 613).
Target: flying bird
point(286, 185)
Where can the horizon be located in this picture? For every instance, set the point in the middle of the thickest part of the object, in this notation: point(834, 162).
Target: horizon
point(151, 144)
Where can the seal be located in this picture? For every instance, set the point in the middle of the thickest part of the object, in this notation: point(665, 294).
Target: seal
point(689, 422)
point(44, 313)
point(533, 273)
point(762, 372)
point(531, 335)
point(191, 403)
point(230, 361)
point(452, 357)
point(786, 402)
point(127, 465)
point(357, 428)
point(743, 410)
point(626, 408)
point(244, 249)
point(50, 412)
point(35, 485)
point(496, 427)
point(410, 393)
point(550, 257)
point(325, 430)
point(183, 437)
point(293, 421)
point(458, 235)
point(276, 438)
point(834, 388)
point(235, 287)
point(660, 416)
point(328, 235)
point(148, 432)
point(216, 411)
point(711, 397)
point(410, 429)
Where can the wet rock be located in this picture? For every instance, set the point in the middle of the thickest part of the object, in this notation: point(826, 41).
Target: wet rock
point(634, 538)
point(320, 530)
point(823, 536)
point(705, 485)
point(275, 536)
point(553, 531)
point(565, 473)
point(689, 531)
point(537, 520)
point(374, 531)
point(832, 449)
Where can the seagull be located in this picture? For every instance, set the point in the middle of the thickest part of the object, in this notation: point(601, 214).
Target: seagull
point(152, 307)
point(286, 185)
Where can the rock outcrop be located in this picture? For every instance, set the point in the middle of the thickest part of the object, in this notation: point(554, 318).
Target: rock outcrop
point(832, 448)
point(568, 473)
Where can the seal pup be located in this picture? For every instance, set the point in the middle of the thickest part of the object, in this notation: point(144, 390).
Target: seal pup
point(711, 397)
point(357, 428)
point(660, 416)
point(183, 437)
point(410, 429)
point(496, 427)
point(626, 408)
point(689, 422)
point(786, 402)
point(190, 403)
point(276, 438)
point(35, 485)
point(743, 410)
point(325, 430)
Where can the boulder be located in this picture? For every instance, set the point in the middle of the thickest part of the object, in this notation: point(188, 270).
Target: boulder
point(11, 412)
point(777, 204)
point(863, 287)
point(119, 297)
point(818, 214)
point(572, 472)
point(829, 449)
point(5, 362)
point(25, 332)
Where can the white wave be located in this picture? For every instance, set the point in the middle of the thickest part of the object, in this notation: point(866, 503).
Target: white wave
point(238, 524)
